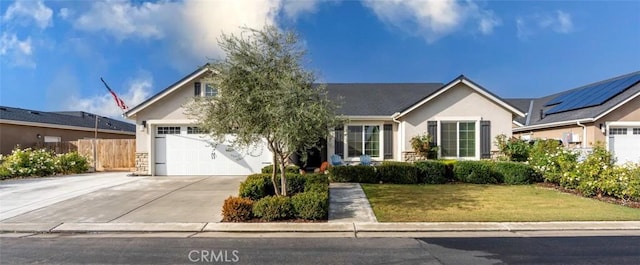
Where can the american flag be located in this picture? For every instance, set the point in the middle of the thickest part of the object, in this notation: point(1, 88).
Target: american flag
point(118, 100)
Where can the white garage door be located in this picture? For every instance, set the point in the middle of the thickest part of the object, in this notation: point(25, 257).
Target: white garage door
point(181, 150)
point(624, 143)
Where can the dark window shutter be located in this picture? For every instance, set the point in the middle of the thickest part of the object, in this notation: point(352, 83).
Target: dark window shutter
point(339, 144)
point(432, 129)
point(388, 141)
point(197, 88)
point(485, 139)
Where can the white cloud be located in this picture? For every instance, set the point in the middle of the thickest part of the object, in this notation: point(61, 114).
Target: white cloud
point(29, 9)
point(191, 28)
point(65, 13)
point(433, 19)
point(558, 21)
point(16, 52)
point(138, 90)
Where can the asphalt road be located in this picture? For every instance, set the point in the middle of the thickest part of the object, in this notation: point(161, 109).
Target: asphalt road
point(459, 251)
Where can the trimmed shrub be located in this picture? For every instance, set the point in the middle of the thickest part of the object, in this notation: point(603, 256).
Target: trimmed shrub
point(513, 149)
point(71, 163)
point(316, 183)
point(288, 169)
point(295, 183)
point(514, 173)
point(431, 172)
point(273, 208)
point(476, 172)
point(236, 209)
point(256, 186)
point(397, 172)
point(358, 173)
point(311, 205)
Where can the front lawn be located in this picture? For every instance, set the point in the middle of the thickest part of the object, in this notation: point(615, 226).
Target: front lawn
point(487, 203)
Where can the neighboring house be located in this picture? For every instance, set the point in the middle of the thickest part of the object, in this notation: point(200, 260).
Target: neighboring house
point(30, 128)
point(607, 111)
point(463, 117)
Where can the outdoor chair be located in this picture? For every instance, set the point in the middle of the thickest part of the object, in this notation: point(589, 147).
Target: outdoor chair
point(365, 160)
point(336, 160)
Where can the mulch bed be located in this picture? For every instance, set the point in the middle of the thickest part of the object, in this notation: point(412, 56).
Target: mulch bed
point(600, 197)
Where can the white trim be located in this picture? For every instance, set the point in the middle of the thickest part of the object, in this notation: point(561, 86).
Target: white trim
point(64, 127)
point(517, 123)
point(129, 114)
point(551, 125)
point(169, 122)
point(380, 156)
point(458, 120)
point(472, 86)
point(370, 118)
point(617, 106)
point(623, 123)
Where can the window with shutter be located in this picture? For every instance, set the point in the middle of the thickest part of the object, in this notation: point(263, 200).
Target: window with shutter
point(388, 141)
point(197, 89)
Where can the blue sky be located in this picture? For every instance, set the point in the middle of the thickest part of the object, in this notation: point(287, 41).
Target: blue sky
point(53, 53)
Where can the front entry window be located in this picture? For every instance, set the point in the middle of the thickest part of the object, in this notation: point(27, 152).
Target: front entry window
point(363, 139)
point(458, 139)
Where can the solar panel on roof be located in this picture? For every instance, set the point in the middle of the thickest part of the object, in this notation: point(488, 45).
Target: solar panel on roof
point(592, 95)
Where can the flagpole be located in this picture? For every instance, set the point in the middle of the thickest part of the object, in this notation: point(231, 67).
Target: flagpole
point(95, 143)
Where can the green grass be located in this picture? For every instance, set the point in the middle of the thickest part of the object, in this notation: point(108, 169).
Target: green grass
point(487, 203)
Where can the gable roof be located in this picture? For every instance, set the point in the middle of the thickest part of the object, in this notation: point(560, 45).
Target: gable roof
point(544, 120)
point(163, 93)
point(64, 119)
point(377, 99)
point(464, 80)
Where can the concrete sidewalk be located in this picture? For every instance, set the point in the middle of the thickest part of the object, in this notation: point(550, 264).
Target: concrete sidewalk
point(334, 229)
point(349, 204)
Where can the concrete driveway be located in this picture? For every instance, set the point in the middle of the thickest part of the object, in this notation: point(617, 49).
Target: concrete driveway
point(115, 198)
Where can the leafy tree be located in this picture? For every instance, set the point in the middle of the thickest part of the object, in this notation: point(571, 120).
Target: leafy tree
point(265, 94)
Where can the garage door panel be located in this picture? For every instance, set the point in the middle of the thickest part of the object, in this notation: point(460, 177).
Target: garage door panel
point(625, 148)
point(197, 154)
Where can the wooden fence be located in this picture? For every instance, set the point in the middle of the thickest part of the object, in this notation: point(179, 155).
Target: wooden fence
point(113, 154)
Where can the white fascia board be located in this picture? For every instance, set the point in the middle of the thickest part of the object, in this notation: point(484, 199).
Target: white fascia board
point(517, 123)
point(168, 122)
point(370, 118)
point(623, 123)
point(551, 125)
point(131, 113)
point(617, 106)
point(64, 127)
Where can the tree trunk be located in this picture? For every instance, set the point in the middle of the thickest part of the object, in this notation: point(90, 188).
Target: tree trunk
point(283, 179)
point(274, 167)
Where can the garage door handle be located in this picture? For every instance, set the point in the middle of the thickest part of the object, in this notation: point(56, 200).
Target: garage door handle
point(213, 155)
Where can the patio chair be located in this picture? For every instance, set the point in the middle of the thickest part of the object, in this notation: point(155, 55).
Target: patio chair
point(365, 160)
point(336, 160)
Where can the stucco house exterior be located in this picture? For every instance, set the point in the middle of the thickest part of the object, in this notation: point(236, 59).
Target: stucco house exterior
point(31, 128)
point(606, 111)
point(463, 116)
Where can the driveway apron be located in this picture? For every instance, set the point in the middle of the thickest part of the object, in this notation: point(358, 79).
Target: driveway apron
point(144, 200)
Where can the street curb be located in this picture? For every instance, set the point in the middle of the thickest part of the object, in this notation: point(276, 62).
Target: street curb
point(347, 227)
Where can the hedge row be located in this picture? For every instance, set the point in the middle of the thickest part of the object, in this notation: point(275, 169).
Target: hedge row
point(308, 198)
point(40, 162)
point(437, 172)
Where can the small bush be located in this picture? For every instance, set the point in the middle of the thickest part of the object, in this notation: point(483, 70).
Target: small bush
point(316, 183)
point(295, 183)
point(549, 159)
point(256, 186)
point(272, 208)
point(476, 172)
point(513, 149)
point(28, 162)
point(4, 173)
point(514, 173)
point(358, 173)
point(397, 172)
point(288, 169)
point(236, 209)
point(71, 163)
point(311, 205)
point(431, 172)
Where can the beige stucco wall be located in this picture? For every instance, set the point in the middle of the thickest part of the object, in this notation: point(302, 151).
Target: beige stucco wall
point(169, 108)
point(557, 132)
point(458, 103)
